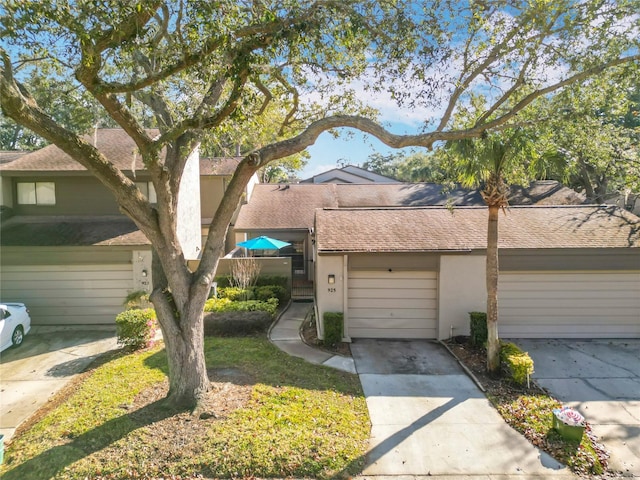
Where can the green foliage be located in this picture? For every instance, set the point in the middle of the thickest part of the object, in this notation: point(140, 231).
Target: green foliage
point(136, 327)
point(519, 363)
point(137, 299)
point(266, 292)
point(226, 305)
point(299, 420)
point(532, 416)
point(235, 293)
point(333, 327)
point(478, 328)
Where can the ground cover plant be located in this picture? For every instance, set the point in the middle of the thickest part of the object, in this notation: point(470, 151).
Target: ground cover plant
point(267, 415)
point(529, 411)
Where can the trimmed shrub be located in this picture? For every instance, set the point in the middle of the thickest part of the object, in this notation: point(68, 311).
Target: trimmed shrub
point(236, 324)
point(478, 328)
point(271, 291)
point(519, 363)
point(226, 305)
point(236, 293)
point(333, 327)
point(136, 327)
point(264, 280)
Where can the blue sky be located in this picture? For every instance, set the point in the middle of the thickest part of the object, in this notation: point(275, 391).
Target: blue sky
point(353, 150)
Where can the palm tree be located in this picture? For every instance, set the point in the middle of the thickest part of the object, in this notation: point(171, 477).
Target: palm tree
point(486, 163)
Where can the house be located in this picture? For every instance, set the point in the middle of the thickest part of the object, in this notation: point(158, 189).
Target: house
point(67, 250)
point(287, 212)
point(565, 271)
point(349, 174)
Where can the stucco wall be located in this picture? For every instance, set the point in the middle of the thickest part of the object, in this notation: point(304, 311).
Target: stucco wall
point(189, 218)
point(330, 297)
point(462, 289)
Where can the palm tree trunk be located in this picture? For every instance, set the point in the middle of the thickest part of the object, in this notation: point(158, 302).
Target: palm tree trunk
point(493, 343)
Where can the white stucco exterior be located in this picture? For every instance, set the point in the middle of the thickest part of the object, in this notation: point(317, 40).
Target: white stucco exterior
point(189, 217)
point(330, 297)
point(462, 289)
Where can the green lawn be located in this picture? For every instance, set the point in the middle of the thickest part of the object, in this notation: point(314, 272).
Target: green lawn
point(297, 420)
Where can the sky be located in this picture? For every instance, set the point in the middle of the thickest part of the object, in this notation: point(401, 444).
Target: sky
point(328, 151)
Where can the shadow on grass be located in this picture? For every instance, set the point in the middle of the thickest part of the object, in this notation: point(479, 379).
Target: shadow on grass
point(54, 460)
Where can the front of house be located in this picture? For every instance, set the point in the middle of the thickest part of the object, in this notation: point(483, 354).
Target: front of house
point(68, 252)
point(565, 271)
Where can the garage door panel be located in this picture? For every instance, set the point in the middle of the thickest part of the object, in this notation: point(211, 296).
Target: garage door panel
point(573, 278)
point(617, 295)
point(577, 304)
point(35, 276)
point(568, 331)
point(398, 283)
point(416, 313)
point(396, 304)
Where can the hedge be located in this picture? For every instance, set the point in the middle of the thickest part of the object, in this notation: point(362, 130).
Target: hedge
point(333, 327)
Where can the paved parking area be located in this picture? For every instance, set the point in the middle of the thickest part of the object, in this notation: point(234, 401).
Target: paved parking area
point(600, 379)
point(48, 359)
point(428, 418)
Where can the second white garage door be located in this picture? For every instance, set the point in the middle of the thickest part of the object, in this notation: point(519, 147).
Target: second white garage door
point(585, 304)
point(69, 294)
point(396, 304)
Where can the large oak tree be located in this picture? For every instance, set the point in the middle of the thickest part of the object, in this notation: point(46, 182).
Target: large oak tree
point(201, 70)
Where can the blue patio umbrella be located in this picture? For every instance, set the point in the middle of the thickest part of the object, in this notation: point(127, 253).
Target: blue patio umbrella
point(263, 243)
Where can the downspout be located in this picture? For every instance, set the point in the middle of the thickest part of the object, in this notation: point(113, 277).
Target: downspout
point(345, 298)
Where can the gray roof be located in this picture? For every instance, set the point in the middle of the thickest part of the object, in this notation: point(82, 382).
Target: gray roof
point(71, 231)
point(113, 143)
point(222, 166)
point(465, 228)
point(291, 206)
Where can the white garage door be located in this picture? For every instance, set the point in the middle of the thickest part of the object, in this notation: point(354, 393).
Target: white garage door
point(397, 304)
point(69, 294)
point(569, 304)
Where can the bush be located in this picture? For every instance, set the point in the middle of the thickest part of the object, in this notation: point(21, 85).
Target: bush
point(478, 328)
point(271, 291)
point(333, 327)
point(226, 305)
point(136, 327)
point(236, 293)
point(234, 324)
point(519, 363)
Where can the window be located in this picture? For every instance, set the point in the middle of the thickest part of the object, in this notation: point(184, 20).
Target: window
point(148, 190)
point(36, 193)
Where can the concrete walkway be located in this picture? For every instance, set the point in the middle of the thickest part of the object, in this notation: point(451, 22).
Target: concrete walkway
point(428, 418)
point(285, 334)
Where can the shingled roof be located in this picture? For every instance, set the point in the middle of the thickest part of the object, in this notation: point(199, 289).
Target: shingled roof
point(71, 231)
point(114, 143)
point(291, 206)
point(465, 228)
point(223, 166)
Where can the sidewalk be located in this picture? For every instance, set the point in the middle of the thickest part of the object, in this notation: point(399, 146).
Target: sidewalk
point(285, 335)
point(428, 418)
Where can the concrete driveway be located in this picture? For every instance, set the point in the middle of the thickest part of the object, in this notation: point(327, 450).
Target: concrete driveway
point(600, 379)
point(429, 418)
point(48, 359)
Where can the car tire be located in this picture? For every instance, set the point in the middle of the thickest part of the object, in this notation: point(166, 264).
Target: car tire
point(17, 336)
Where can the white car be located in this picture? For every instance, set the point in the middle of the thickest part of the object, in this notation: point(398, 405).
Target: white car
point(15, 323)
